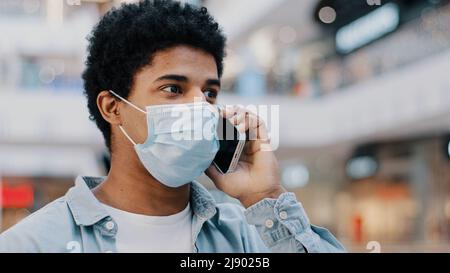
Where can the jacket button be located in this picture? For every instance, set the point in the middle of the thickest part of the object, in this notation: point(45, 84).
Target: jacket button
point(109, 225)
point(283, 215)
point(269, 223)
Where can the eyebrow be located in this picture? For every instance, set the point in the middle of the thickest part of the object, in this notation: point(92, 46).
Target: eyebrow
point(173, 77)
point(213, 82)
point(181, 78)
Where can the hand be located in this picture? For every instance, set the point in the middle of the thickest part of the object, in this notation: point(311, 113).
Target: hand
point(257, 173)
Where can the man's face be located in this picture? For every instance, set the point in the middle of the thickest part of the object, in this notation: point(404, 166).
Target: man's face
point(176, 75)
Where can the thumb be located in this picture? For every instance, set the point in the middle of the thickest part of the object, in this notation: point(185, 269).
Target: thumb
point(214, 174)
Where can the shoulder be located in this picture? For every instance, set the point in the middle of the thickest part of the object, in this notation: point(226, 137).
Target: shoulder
point(40, 231)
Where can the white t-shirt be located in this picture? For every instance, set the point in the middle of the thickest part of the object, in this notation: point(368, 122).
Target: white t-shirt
point(143, 233)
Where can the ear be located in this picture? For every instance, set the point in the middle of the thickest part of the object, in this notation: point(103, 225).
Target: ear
point(109, 107)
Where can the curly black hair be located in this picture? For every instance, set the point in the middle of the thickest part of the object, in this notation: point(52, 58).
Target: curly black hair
point(126, 39)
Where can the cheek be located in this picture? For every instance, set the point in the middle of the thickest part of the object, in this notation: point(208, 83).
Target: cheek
point(141, 128)
point(135, 123)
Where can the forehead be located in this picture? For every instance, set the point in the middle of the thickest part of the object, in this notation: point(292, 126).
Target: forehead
point(183, 60)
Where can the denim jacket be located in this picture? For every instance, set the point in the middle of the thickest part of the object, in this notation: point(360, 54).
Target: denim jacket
point(77, 222)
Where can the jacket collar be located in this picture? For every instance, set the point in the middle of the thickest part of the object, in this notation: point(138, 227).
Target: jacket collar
point(87, 210)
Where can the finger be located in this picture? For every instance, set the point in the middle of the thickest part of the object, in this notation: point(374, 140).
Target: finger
point(238, 118)
point(229, 111)
point(255, 144)
point(245, 120)
point(252, 147)
point(246, 157)
point(254, 121)
point(256, 128)
point(262, 133)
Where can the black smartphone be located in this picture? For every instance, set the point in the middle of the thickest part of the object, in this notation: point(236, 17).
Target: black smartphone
point(231, 144)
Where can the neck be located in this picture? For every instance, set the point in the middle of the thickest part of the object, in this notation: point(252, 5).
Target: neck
point(131, 188)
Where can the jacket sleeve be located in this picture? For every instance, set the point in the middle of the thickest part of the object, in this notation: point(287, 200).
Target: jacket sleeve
point(284, 226)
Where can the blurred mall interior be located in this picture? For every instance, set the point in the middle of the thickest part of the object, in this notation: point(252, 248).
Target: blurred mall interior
point(363, 89)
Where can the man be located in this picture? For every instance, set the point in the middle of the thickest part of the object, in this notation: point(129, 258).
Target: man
point(145, 60)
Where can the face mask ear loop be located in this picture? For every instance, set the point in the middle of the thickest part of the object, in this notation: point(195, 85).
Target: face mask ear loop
point(125, 133)
point(127, 102)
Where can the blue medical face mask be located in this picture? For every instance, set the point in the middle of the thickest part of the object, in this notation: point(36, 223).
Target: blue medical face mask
point(181, 140)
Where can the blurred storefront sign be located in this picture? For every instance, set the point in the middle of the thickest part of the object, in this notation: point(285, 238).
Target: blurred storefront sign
point(16, 196)
point(368, 28)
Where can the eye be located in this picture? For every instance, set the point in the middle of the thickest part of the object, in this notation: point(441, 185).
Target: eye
point(172, 89)
point(210, 93)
